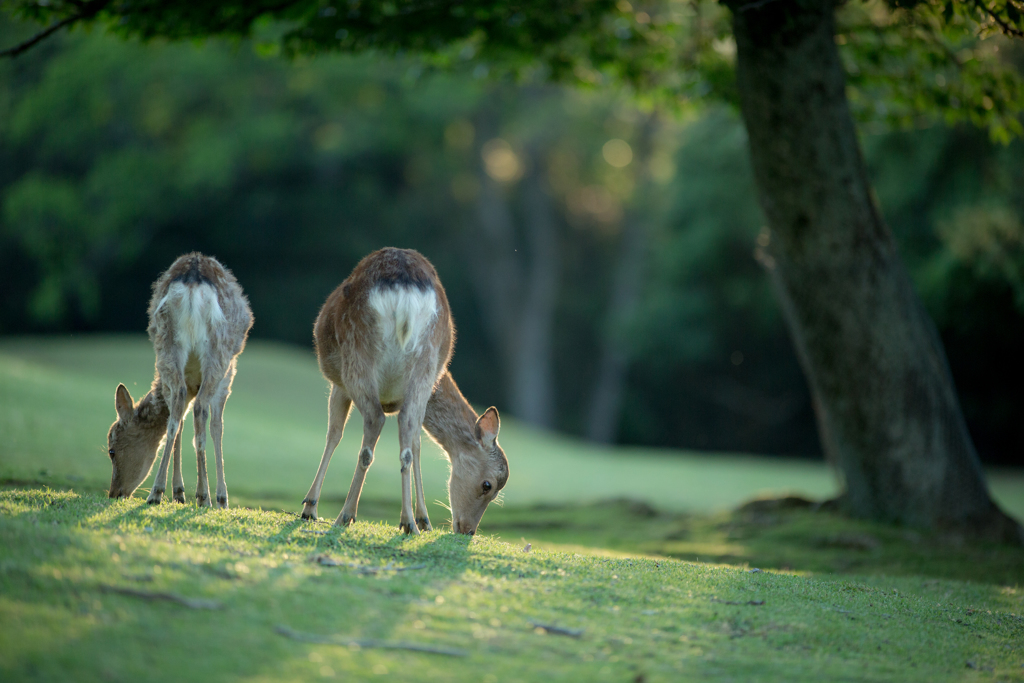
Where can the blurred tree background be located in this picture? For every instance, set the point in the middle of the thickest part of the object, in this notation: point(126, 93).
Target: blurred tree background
point(601, 259)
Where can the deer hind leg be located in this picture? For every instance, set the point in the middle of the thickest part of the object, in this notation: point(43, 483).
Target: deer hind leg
point(373, 422)
point(217, 433)
point(177, 403)
point(214, 377)
point(338, 408)
point(200, 411)
point(179, 483)
point(410, 422)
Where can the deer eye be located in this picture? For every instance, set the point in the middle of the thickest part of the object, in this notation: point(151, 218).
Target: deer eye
point(111, 453)
point(487, 486)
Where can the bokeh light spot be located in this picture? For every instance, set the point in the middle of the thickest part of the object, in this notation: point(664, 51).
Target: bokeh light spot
point(500, 162)
point(617, 152)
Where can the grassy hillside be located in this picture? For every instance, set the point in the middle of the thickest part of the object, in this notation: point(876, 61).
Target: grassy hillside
point(642, 567)
point(56, 403)
point(99, 590)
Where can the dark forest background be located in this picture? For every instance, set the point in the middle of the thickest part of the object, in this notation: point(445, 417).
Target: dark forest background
point(602, 261)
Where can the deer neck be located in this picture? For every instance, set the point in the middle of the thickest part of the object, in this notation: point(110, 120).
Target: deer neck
point(449, 418)
point(153, 412)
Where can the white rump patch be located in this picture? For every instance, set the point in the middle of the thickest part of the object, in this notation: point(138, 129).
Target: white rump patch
point(194, 311)
point(404, 315)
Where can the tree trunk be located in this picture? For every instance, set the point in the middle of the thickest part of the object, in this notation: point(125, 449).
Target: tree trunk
point(888, 416)
point(613, 367)
point(496, 270)
point(533, 386)
point(518, 288)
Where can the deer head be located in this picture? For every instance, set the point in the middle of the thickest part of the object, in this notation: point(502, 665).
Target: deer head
point(132, 444)
point(479, 471)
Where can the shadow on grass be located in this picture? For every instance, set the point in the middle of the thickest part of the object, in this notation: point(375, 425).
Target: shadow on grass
point(765, 534)
point(52, 568)
point(62, 551)
point(782, 534)
point(768, 535)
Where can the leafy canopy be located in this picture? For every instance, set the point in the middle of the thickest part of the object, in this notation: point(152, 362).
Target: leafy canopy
point(918, 58)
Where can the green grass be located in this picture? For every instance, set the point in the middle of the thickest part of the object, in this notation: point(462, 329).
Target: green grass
point(643, 551)
point(641, 618)
point(762, 534)
point(56, 403)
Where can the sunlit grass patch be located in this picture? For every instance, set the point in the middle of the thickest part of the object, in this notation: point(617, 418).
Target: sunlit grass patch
point(780, 538)
point(56, 404)
point(94, 589)
point(657, 617)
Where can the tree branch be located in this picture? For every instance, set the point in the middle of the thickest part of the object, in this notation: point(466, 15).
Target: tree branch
point(42, 35)
point(86, 11)
point(1007, 29)
point(753, 5)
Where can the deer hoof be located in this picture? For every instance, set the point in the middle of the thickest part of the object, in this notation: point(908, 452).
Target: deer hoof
point(222, 502)
point(203, 500)
point(310, 514)
point(179, 495)
point(409, 529)
point(344, 519)
point(154, 497)
point(424, 524)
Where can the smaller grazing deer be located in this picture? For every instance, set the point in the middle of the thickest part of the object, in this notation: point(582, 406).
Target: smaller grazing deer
point(384, 339)
point(198, 322)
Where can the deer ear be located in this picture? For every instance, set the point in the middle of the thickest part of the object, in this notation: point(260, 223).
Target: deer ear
point(487, 426)
point(123, 403)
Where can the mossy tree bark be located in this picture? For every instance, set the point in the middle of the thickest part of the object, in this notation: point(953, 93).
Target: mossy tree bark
point(888, 415)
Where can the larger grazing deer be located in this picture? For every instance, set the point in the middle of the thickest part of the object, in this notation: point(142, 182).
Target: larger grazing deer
point(384, 339)
point(198, 322)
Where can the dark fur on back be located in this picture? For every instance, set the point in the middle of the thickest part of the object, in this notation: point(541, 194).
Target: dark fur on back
point(390, 267)
point(196, 269)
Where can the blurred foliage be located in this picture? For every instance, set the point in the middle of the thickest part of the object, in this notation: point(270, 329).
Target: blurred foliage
point(117, 157)
point(906, 59)
point(912, 63)
point(955, 202)
point(712, 357)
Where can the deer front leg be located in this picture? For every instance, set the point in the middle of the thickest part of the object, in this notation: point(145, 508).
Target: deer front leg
point(338, 408)
point(373, 422)
point(179, 483)
point(422, 519)
point(405, 523)
point(178, 402)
